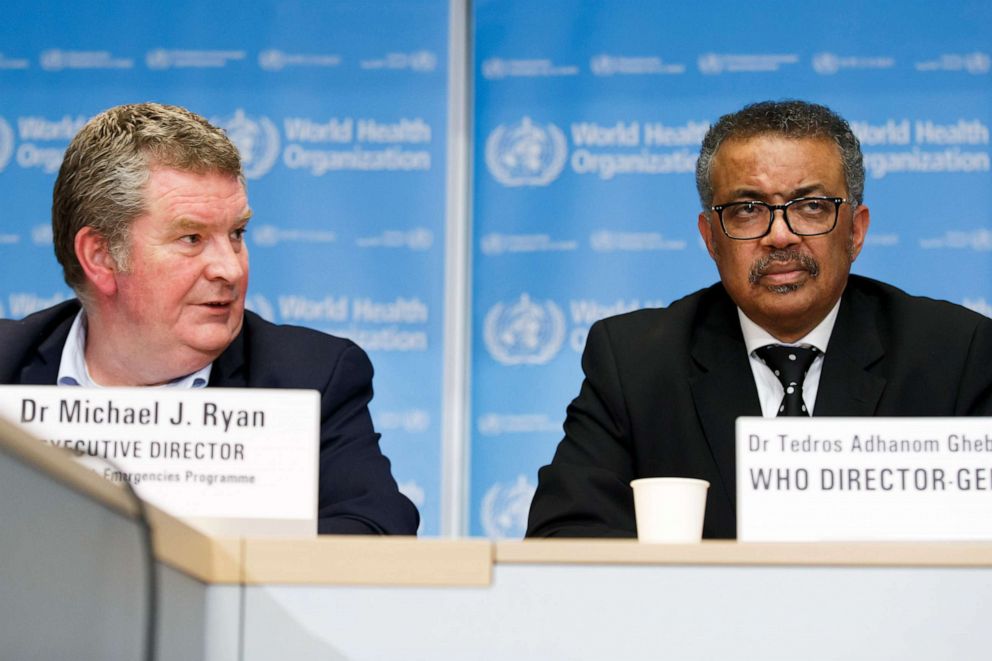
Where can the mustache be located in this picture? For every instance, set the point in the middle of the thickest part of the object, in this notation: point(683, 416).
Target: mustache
point(789, 255)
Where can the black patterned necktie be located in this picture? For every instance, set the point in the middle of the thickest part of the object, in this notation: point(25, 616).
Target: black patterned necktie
point(790, 365)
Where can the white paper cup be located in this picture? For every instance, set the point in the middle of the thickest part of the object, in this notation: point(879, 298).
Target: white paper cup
point(669, 509)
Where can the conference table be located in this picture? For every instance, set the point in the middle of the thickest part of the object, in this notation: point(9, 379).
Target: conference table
point(73, 585)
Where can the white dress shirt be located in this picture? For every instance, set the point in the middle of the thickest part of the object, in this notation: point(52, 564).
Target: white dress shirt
point(770, 390)
point(74, 372)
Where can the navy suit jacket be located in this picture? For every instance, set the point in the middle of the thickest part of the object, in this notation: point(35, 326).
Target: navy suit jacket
point(663, 389)
point(357, 491)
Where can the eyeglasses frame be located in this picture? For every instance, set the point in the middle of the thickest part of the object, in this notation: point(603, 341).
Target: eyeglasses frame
point(772, 208)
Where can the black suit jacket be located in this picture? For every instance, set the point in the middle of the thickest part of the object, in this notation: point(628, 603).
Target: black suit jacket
point(357, 492)
point(664, 387)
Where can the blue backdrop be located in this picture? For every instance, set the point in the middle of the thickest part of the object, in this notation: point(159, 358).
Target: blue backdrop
point(339, 109)
point(588, 118)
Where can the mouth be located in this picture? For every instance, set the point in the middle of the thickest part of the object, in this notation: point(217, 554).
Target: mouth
point(784, 270)
point(782, 275)
point(222, 305)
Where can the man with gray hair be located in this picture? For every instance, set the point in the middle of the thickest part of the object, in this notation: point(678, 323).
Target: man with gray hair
point(149, 215)
point(786, 331)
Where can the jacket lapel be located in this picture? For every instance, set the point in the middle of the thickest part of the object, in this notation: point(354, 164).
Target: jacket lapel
point(722, 385)
point(43, 370)
point(846, 387)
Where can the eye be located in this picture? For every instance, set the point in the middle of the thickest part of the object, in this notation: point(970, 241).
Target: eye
point(811, 207)
point(191, 239)
point(239, 234)
point(745, 210)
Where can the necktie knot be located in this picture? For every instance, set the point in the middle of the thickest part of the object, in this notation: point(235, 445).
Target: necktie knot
point(790, 365)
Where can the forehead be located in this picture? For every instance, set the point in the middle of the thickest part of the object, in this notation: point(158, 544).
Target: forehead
point(773, 159)
point(172, 193)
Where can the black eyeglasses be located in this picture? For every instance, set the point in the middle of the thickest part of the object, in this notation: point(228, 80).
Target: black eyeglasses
point(804, 216)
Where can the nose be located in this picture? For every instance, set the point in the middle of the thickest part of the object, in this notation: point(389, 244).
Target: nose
point(226, 261)
point(780, 235)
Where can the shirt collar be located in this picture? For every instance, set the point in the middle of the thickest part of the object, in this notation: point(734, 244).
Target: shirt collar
point(73, 370)
point(756, 337)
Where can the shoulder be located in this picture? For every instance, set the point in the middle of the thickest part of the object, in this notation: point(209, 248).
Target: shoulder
point(18, 335)
point(657, 340)
point(303, 355)
point(897, 307)
point(677, 318)
point(39, 322)
point(292, 342)
point(23, 339)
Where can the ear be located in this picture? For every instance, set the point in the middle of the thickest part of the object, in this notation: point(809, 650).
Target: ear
point(706, 231)
point(98, 265)
point(859, 228)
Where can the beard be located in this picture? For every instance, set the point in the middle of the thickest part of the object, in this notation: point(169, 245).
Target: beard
point(791, 255)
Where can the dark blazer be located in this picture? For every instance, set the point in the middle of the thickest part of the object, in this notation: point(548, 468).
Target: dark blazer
point(357, 491)
point(664, 387)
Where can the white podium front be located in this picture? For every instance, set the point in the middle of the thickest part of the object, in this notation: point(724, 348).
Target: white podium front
point(72, 578)
point(73, 565)
point(620, 600)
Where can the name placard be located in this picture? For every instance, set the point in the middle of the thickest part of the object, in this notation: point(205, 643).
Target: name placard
point(233, 461)
point(864, 479)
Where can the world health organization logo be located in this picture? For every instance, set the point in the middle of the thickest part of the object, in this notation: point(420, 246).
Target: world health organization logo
point(826, 64)
point(261, 306)
point(6, 143)
point(524, 332)
point(977, 63)
point(41, 235)
point(158, 59)
point(525, 153)
point(257, 140)
point(505, 507)
point(710, 64)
